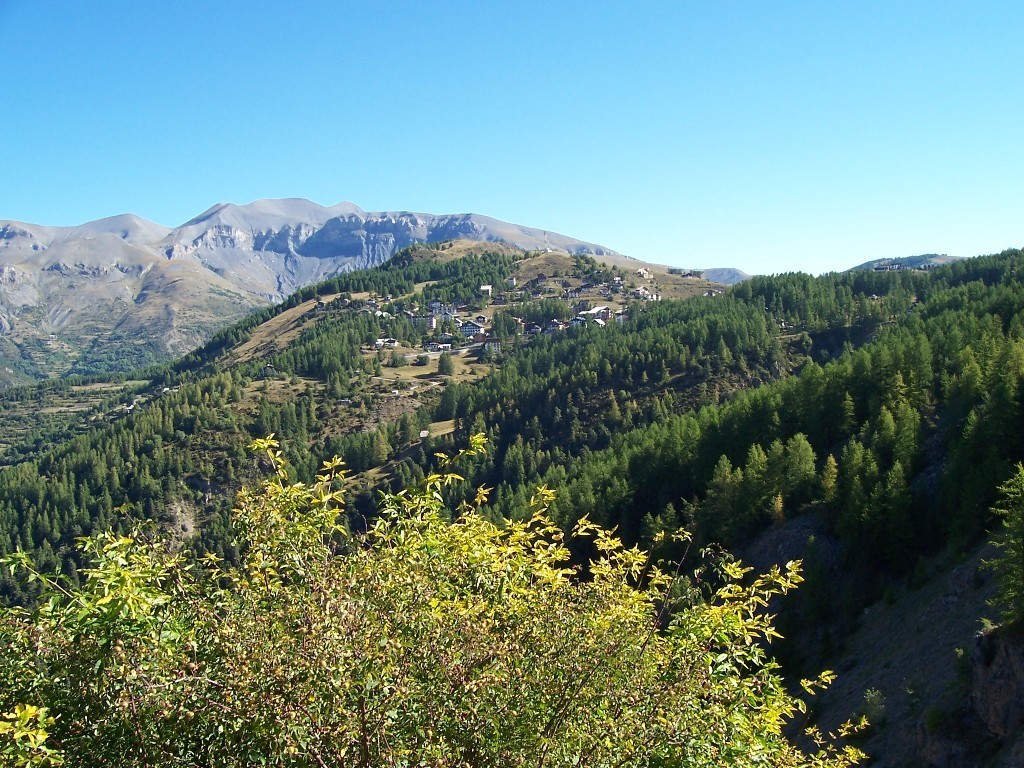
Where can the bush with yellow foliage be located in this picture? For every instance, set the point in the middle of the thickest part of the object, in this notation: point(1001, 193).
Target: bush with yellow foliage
point(431, 639)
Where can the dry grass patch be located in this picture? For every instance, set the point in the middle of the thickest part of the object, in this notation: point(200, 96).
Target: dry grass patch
point(277, 333)
point(276, 390)
point(439, 428)
point(450, 250)
point(545, 263)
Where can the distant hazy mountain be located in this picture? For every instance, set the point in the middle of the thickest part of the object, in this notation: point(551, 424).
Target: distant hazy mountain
point(73, 297)
point(725, 275)
point(720, 275)
point(925, 260)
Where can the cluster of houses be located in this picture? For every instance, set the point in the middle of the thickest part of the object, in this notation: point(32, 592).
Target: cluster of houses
point(644, 294)
point(475, 330)
point(536, 287)
point(439, 314)
point(599, 316)
point(694, 273)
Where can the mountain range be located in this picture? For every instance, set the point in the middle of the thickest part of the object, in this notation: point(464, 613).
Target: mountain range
point(122, 291)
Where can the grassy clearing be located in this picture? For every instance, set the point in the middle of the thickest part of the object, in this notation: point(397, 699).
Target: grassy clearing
point(439, 428)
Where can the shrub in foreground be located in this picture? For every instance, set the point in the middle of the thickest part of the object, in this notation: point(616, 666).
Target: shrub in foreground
point(424, 641)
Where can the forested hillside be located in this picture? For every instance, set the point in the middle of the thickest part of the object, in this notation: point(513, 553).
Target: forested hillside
point(866, 394)
point(901, 416)
point(886, 405)
point(426, 640)
point(173, 451)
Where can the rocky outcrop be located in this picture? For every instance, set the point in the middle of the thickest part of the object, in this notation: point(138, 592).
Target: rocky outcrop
point(997, 690)
point(343, 236)
point(997, 682)
point(986, 728)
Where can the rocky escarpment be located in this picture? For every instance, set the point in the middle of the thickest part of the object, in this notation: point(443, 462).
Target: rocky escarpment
point(286, 244)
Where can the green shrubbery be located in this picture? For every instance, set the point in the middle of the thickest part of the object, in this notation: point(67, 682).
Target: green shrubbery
point(424, 641)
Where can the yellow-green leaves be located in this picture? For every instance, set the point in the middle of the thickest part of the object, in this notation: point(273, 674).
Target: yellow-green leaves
point(431, 639)
point(23, 738)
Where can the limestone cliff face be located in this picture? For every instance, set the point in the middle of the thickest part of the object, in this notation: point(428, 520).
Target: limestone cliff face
point(273, 247)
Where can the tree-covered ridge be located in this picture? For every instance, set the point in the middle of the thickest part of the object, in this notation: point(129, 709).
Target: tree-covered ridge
point(902, 442)
point(686, 414)
point(669, 357)
point(174, 452)
point(459, 280)
point(580, 392)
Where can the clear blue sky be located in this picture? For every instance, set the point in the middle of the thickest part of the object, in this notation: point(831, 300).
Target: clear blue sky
point(766, 136)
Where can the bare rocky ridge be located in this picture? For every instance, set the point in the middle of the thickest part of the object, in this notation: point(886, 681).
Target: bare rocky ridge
point(70, 297)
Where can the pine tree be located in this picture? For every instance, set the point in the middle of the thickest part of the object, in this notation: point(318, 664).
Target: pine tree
point(829, 479)
point(1009, 567)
